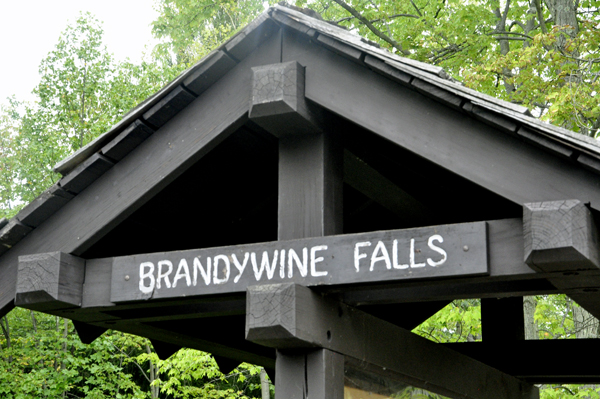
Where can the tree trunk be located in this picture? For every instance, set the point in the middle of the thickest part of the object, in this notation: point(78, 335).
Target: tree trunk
point(531, 330)
point(153, 388)
point(264, 385)
point(6, 332)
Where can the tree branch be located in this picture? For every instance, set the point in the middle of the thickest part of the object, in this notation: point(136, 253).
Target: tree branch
point(371, 27)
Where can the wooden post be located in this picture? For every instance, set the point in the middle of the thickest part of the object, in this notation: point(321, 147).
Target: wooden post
point(310, 205)
point(290, 315)
point(502, 319)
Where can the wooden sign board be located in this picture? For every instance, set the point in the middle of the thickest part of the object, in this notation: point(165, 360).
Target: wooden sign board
point(381, 256)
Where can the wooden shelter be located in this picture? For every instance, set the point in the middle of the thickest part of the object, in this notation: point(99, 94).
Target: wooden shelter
point(301, 199)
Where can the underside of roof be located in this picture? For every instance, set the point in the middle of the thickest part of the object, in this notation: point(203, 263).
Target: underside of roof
point(189, 168)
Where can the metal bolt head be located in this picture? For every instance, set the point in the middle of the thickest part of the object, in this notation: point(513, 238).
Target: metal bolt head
point(127, 277)
point(466, 248)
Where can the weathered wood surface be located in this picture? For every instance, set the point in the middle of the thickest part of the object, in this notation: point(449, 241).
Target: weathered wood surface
point(44, 206)
point(319, 372)
point(127, 141)
point(85, 174)
point(278, 103)
point(436, 132)
point(560, 236)
point(207, 73)
point(152, 166)
point(50, 281)
point(168, 107)
point(431, 252)
point(292, 316)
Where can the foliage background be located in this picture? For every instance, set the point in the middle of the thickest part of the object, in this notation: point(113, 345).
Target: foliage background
point(541, 54)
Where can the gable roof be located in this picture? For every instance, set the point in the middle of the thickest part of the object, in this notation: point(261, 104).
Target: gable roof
point(92, 161)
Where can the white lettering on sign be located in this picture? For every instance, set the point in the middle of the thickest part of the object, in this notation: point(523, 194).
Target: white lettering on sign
point(262, 266)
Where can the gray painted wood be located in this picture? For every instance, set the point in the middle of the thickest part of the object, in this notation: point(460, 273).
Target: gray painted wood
point(13, 232)
point(448, 138)
point(329, 324)
point(85, 174)
point(340, 48)
point(560, 236)
point(152, 166)
point(437, 93)
point(278, 103)
point(206, 74)
point(44, 206)
point(491, 118)
point(546, 143)
point(382, 68)
point(168, 107)
point(249, 38)
point(431, 252)
point(360, 176)
point(127, 141)
point(50, 281)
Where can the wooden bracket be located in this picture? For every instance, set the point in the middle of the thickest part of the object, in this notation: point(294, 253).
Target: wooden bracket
point(560, 236)
point(287, 315)
point(278, 104)
point(50, 281)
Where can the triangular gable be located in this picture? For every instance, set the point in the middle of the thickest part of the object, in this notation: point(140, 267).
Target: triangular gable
point(416, 142)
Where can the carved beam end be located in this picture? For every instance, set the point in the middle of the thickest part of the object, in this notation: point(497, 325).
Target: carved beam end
point(278, 104)
point(560, 236)
point(50, 281)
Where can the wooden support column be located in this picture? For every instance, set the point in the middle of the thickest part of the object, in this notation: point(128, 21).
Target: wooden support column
point(292, 316)
point(502, 319)
point(310, 205)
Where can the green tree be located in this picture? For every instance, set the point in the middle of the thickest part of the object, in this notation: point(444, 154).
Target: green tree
point(190, 29)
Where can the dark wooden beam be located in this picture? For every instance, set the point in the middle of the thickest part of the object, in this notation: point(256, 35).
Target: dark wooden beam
point(447, 137)
point(87, 332)
point(383, 256)
point(292, 316)
point(538, 361)
point(502, 319)
point(560, 236)
point(155, 163)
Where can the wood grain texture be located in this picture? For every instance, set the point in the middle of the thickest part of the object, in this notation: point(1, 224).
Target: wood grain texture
point(278, 103)
point(126, 141)
point(332, 325)
point(50, 281)
point(152, 166)
point(560, 236)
